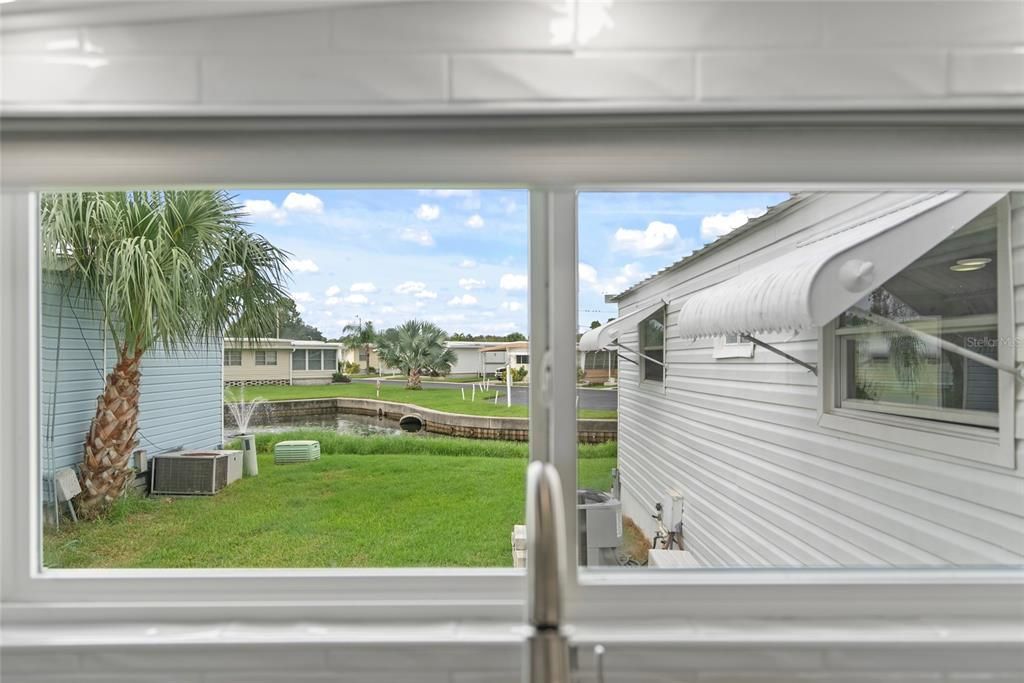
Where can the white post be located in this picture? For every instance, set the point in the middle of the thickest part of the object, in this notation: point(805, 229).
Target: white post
point(473, 394)
point(378, 387)
point(508, 384)
point(495, 398)
point(463, 389)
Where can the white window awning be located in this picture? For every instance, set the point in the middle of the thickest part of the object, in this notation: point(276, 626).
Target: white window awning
point(813, 283)
point(604, 336)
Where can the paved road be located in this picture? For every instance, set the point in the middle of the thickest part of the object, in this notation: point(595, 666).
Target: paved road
point(593, 399)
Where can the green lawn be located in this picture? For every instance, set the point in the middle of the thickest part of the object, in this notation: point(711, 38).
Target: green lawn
point(397, 501)
point(447, 400)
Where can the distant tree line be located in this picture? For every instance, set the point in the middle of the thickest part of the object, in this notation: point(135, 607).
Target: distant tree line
point(514, 337)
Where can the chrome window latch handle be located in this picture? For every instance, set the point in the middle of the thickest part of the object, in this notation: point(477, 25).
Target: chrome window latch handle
point(599, 663)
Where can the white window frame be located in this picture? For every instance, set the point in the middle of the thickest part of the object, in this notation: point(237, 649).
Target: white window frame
point(919, 430)
point(898, 151)
point(305, 360)
point(228, 353)
point(642, 349)
point(264, 356)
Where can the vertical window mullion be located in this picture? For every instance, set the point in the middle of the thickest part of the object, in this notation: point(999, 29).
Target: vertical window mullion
point(553, 340)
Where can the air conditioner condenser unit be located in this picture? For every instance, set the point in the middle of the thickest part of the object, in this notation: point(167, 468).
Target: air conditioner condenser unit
point(194, 473)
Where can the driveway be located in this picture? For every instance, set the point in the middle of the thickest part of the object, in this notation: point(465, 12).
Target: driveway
point(591, 399)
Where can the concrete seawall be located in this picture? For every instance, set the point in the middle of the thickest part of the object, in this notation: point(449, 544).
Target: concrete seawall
point(435, 421)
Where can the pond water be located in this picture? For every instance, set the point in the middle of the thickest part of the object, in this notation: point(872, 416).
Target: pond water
point(357, 425)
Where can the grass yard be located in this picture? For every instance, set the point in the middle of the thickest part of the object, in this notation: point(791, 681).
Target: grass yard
point(395, 501)
point(447, 400)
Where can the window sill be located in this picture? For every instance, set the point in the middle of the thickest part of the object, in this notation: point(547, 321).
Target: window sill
point(921, 437)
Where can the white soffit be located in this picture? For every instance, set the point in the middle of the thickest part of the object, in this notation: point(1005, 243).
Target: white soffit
point(819, 279)
point(602, 337)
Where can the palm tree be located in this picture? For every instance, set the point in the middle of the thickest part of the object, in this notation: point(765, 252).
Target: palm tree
point(173, 269)
point(415, 347)
point(360, 335)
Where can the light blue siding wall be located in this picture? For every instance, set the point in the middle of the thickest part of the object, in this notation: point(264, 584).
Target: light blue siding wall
point(181, 391)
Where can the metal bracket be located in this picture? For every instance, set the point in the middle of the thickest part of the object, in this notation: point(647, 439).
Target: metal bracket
point(793, 359)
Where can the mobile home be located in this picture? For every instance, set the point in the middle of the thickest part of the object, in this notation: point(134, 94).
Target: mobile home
point(833, 384)
point(279, 361)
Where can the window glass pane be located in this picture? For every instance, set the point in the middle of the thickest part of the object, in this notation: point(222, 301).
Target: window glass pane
point(950, 293)
point(413, 456)
point(854, 444)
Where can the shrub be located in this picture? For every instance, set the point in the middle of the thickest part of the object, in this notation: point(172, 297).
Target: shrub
point(519, 374)
point(350, 368)
point(371, 370)
point(340, 377)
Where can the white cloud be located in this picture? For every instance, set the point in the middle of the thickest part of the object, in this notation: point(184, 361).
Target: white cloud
point(332, 290)
point(476, 221)
point(302, 297)
point(508, 204)
point(303, 203)
point(467, 263)
point(264, 208)
point(300, 308)
point(713, 227)
point(303, 266)
point(656, 237)
point(420, 236)
point(629, 274)
point(512, 282)
point(464, 300)
point(357, 299)
point(469, 283)
point(470, 198)
point(332, 301)
point(446, 193)
point(367, 287)
point(512, 306)
point(417, 289)
point(387, 309)
point(410, 287)
point(428, 212)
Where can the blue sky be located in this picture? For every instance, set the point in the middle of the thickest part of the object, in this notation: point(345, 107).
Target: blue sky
point(459, 257)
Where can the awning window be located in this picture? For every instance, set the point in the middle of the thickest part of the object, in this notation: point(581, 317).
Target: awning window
point(604, 337)
point(817, 280)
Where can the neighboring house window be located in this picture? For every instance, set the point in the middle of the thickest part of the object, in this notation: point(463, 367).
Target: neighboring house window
point(952, 292)
point(232, 357)
point(266, 358)
point(652, 346)
point(522, 359)
point(313, 362)
point(733, 346)
point(330, 360)
point(299, 360)
point(601, 360)
point(364, 356)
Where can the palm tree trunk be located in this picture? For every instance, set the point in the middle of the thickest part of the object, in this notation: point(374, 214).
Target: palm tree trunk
point(106, 470)
point(367, 349)
point(414, 380)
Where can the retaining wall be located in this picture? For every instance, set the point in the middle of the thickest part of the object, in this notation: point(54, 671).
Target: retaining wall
point(435, 421)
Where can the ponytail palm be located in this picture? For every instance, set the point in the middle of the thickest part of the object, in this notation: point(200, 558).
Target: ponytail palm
point(173, 269)
point(415, 347)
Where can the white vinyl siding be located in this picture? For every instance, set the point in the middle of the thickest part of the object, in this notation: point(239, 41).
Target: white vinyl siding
point(764, 482)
